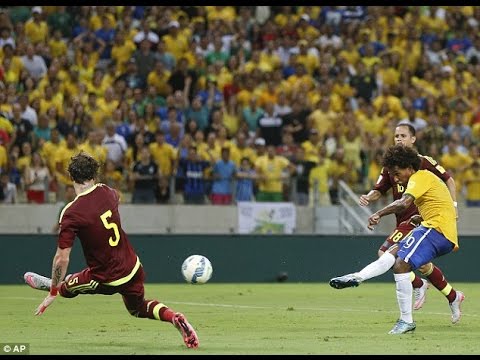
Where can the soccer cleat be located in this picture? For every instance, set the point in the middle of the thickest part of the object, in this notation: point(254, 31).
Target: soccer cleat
point(186, 330)
point(420, 295)
point(349, 280)
point(38, 282)
point(402, 327)
point(455, 306)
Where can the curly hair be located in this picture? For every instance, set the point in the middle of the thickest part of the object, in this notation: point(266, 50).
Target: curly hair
point(402, 157)
point(82, 168)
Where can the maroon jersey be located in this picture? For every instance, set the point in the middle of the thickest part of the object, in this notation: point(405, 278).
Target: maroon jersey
point(385, 182)
point(93, 217)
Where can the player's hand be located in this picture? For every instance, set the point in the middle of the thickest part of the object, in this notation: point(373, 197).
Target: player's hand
point(363, 201)
point(415, 220)
point(45, 303)
point(373, 220)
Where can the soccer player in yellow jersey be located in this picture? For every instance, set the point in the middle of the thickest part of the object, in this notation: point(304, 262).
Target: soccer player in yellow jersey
point(405, 134)
point(435, 234)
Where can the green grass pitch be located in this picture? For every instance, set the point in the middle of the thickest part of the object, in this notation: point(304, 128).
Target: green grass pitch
point(261, 318)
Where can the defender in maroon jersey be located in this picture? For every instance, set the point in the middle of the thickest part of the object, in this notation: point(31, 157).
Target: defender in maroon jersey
point(113, 265)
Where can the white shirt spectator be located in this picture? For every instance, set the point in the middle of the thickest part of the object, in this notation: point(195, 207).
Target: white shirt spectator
point(227, 42)
point(8, 40)
point(262, 13)
point(40, 178)
point(436, 54)
point(116, 146)
point(35, 66)
point(331, 40)
point(9, 193)
point(31, 115)
point(199, 50)
point(138, 38)
point(473, 51)
point(283, 53)
point(282, 110)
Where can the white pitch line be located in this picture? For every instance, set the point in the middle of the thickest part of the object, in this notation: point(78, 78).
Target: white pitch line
point(19, 298)
point(300, 308)
point(237, 306)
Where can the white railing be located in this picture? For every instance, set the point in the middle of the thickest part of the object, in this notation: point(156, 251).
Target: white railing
point(353, 217)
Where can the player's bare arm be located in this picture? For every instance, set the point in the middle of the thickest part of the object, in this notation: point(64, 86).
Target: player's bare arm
point(373, 195)
point(452, 189)
point(59, 270)
point(395, 207)
point(60, 266)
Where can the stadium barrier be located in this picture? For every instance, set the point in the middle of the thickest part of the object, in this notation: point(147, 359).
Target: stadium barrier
point(236, 258)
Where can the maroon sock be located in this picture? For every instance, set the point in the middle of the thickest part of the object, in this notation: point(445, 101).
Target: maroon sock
point(438, 280)
point(166, 314)
point(417, 282)
point(147, 311)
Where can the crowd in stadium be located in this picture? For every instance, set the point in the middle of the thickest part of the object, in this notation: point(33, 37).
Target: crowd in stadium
point(219, 104)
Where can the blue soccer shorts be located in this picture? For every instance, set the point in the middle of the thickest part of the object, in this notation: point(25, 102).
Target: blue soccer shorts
point(422, 246)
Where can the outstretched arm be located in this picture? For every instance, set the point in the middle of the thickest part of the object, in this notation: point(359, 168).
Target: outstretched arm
point(59, 270)
point(395, 207)
point(59, 266)
point(373, 195)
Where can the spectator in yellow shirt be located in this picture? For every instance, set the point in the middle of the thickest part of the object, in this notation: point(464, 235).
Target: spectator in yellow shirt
point(272, 171)
point(3, 157)
point(51, 148)
point(454, 161)
point(163, 154)
point(58, 47)
point(93, 146)
point(62, 160)
point(225, 13)
point(158, 78)
point(322, 117)
point(341, 169)
point(175, 42)
point(26, 156)
point(112, 177)
point(318, 180)
point(122, 50)
point(36, 29)
point(108, 104)
point(394, 103)
point(471, 179)
point(15, 64)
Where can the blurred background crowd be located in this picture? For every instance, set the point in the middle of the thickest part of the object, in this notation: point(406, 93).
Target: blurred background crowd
point(219, 104)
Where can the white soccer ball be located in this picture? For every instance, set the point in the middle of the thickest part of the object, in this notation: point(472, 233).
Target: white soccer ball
point(197, 269)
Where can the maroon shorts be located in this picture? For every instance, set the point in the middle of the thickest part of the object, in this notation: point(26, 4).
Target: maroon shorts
point(398, 234)
point(221, 199)
point(133, 291)
point(36, 196)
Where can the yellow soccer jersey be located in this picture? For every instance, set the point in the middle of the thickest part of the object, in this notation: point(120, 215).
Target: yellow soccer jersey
point(434, 203)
